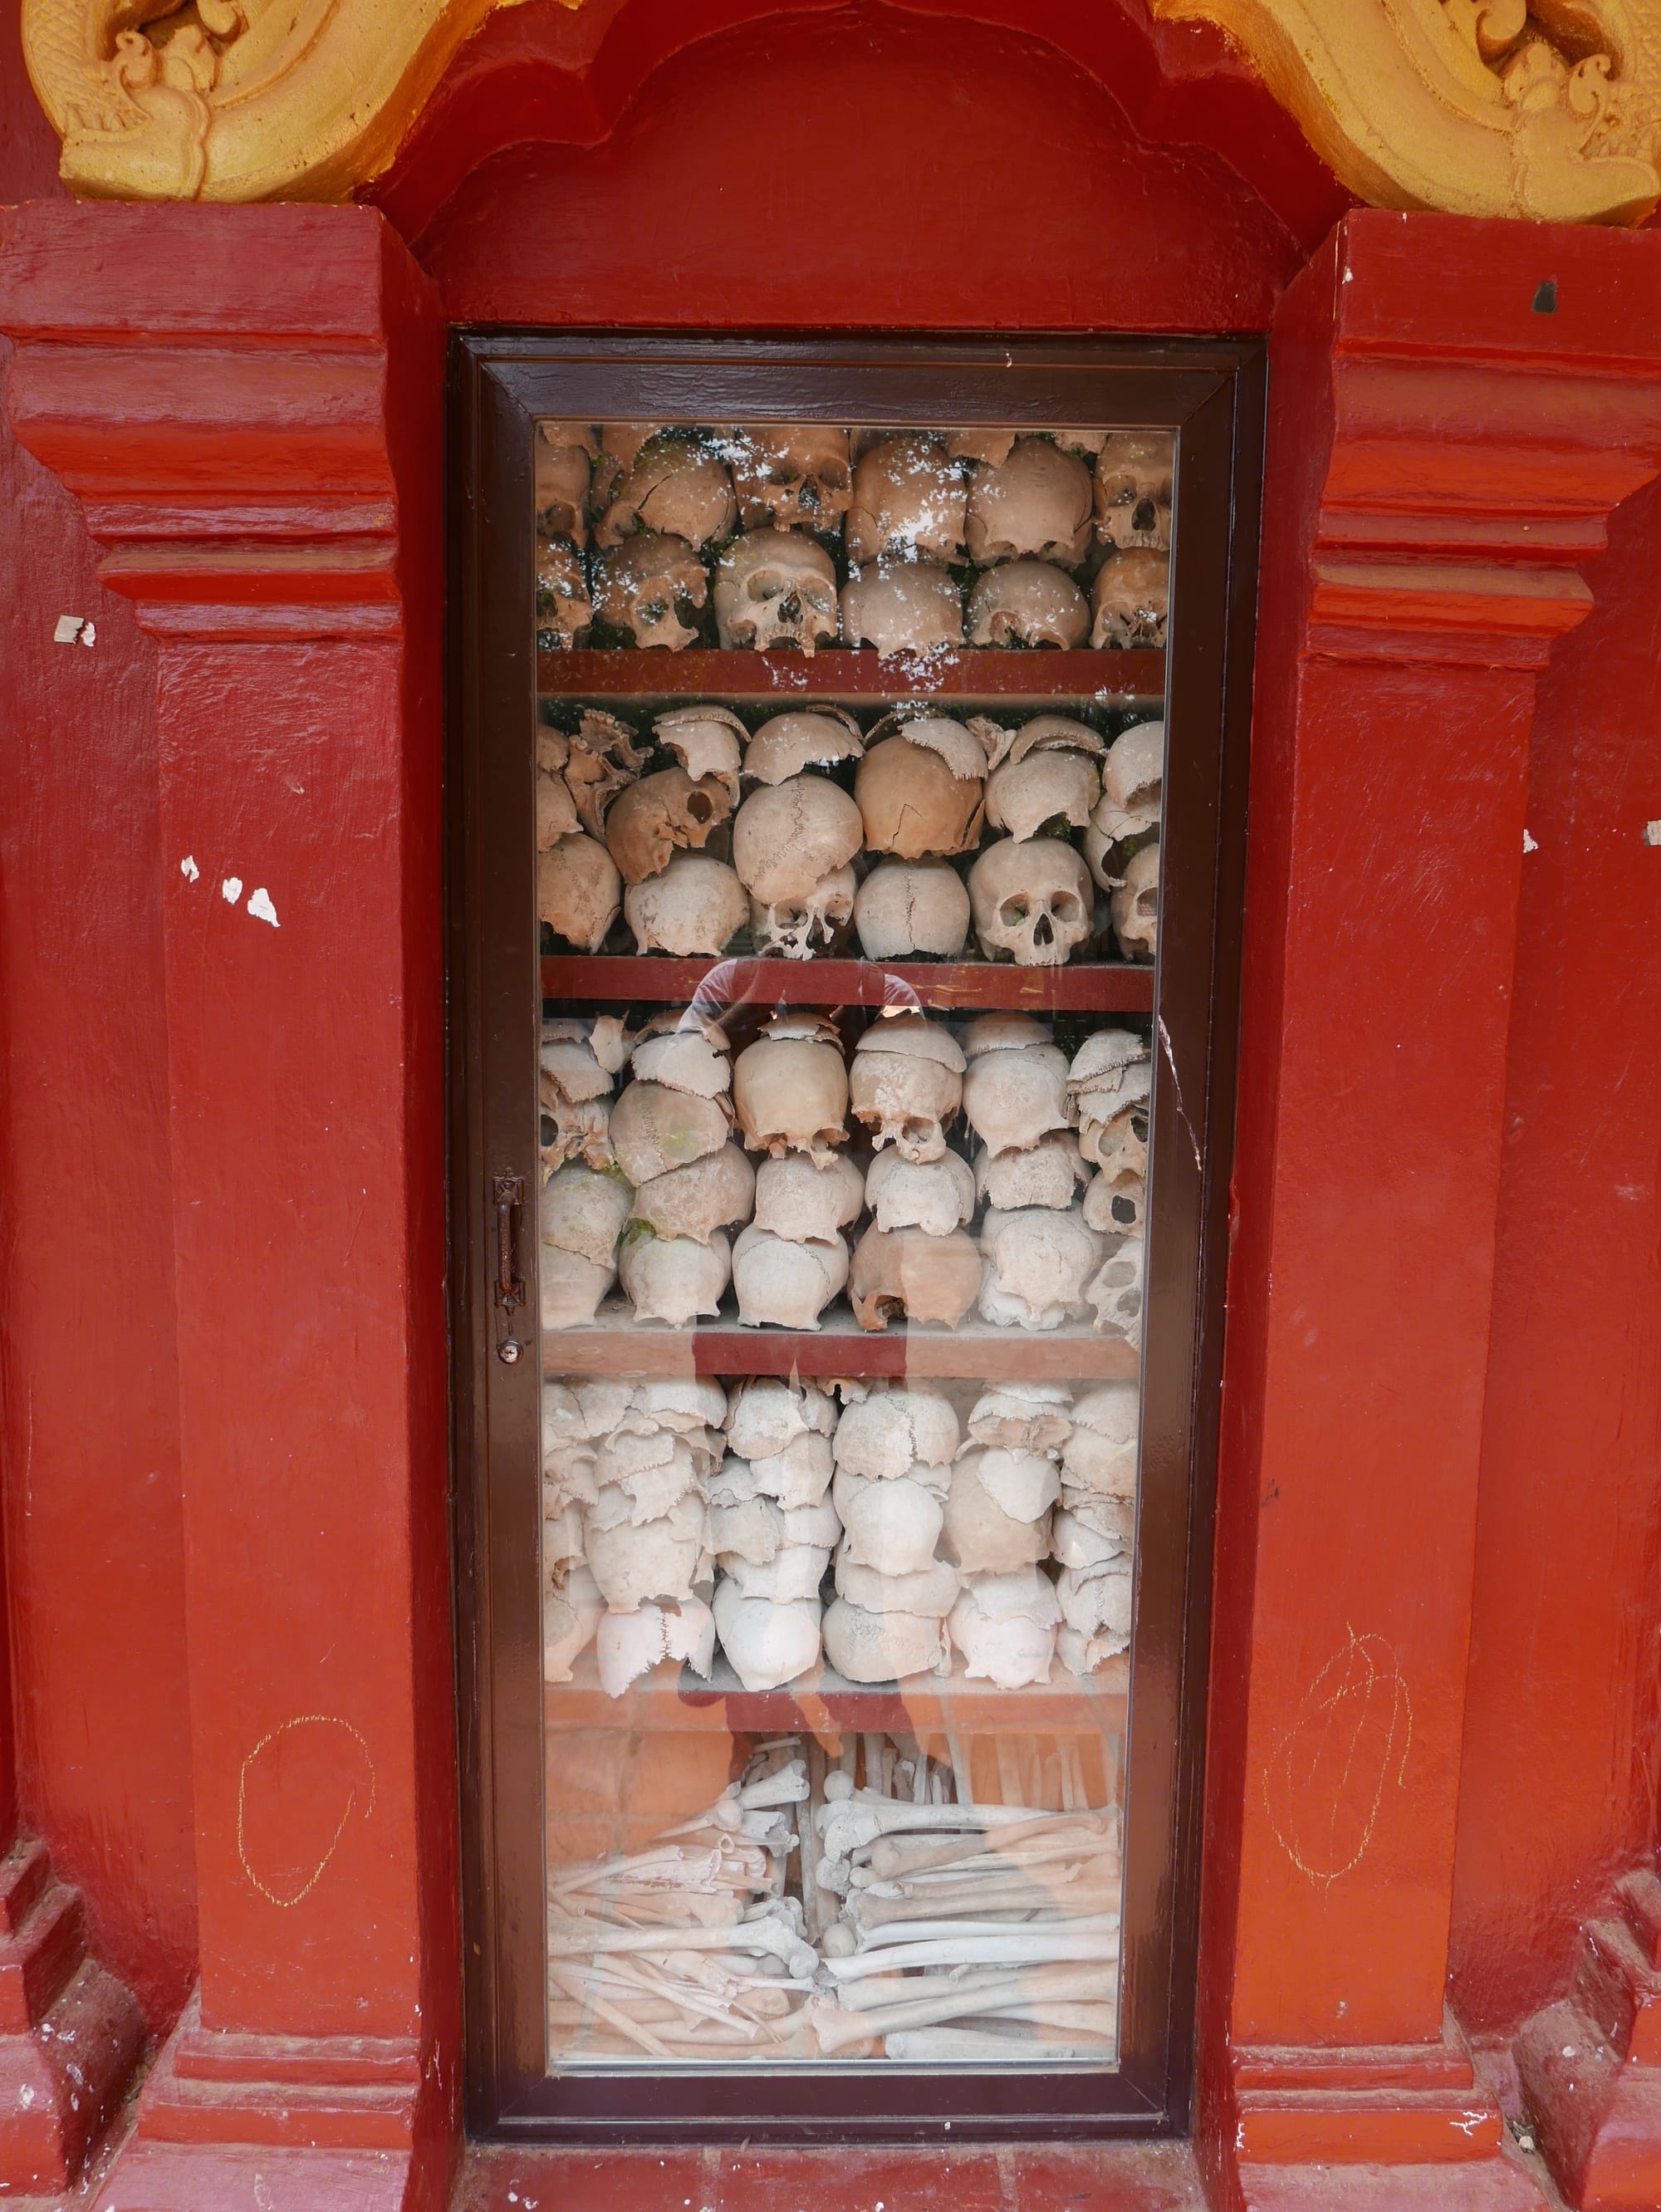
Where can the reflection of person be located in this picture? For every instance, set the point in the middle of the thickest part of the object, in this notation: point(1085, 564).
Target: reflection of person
point(732, 983)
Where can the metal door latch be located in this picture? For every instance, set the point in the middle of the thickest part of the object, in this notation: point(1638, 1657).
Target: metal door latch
point(507, 1195)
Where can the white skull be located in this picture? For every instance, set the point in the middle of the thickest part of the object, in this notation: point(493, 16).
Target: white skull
point(641, 586)
point(674, 490)
point(1096, 1603)
point(1028, 603)
point(1115, 1293)
point(579, 890)
point(784, 1283)
point(565, 607)
point(636, 1564)
point(1100, 1455)
point(1005, 1627)
point(906, 1273)
point(791, 1576)
point(1116, 1203)
point(767, 1645)
point(788, 837)
point(1111, 1070)
point(1052, 784)
point(630, 1645)
point(660, 814)
point(1035, 503)
point(882, 1647)
point(775, 587)
point(1118, 1146)
point(814, 737)
point(806, 1204)
point(1133, 490)
point(674, 1278)
point(1031, 901)
point(794, 475)
point(919, 785)
point(1047, 1174)
point(1023, 1416)
point(1132, 780)
point(707, 741)
point(906, 1083)
point(895, 1427)
point(903, 607)
point(1038, 1262)
point(790, 1089)
point(1013, 1098)
point(908, 498)
point(789, 926)
point(1089, 1530)
point(562, 462)
point(904, 908)
point(655, 1129)
point(697, 905)
point(931, 1591)
point(1135, 906)
point(573, 1087)
point(1131, 598)
point(890, 1526)
point(766, 1415)
point(571, 1609)
point(716, 1192)
point(572, 1288)
point(684, 1051)
point(937, 1196)
point(984, 1532)
point(584, 1209)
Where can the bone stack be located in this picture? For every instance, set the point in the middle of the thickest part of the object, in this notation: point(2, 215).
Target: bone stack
point(671, 1130)
point(1038, 1250)
point(915, 1261)
point(1094, 1531)
point(790, 1091)
point(657, 500)
point(797, 833)
point(773, 1527)
point(998, 1529)
point(1030, 891)
point(893, 1449)
point(1122, 842)
point(585, 1198)
point(579, 891)
point(1109, 1090)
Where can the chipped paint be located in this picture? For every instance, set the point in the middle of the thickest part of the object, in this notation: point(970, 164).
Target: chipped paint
point(1529, 844)
point(188, 869)
point(259, 905)
point(231, 889)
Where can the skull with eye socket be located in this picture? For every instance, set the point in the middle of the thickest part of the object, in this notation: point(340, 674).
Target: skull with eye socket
point(775, 587)
point(1133, 490)
point(1031, 901)
point(790, 475)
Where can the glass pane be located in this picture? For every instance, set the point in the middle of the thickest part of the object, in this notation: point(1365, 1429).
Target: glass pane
point(850, 758)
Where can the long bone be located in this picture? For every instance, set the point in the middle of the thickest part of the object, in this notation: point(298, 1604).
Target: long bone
point(850, 1824)
point(575, 1939)
point(905, 1934)
point(1016, 1947)
point(834, 2028)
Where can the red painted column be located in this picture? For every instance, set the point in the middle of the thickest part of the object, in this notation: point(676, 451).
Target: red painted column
point(248, 403)
point(1446, 441)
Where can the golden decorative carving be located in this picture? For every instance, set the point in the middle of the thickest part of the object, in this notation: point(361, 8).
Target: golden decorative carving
point(1545, 109)
point(237, 100)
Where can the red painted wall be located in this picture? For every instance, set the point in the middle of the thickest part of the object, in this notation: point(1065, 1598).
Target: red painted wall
point(1558, 1792)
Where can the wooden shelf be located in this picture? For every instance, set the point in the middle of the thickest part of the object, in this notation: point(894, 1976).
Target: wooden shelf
point(983, 672)
point(673, 1698)
point(970, 987)
point(619, 1345)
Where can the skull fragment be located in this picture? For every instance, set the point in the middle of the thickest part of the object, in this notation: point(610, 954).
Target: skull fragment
point(673, 490)
point(662, 813)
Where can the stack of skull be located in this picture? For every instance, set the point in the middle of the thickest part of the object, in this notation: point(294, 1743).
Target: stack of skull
point(631, 515)
point(924, 789)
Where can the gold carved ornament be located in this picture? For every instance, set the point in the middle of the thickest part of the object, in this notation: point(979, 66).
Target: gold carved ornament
point(1549, 110)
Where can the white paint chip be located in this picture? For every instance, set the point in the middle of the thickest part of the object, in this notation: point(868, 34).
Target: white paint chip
point(1653, 833)
point(259, 905)
point(231, 889)
point(1529, 845)
point(188, 869)
point(74, 629)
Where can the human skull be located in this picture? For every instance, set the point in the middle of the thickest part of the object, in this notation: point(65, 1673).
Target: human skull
point(1023, 1416)
point(908, 498)
point(1047, 1173)
point(672, 490)
point(661, 813)
point(895, 1427)
point(1036, 503)
point(1031, 901)
point(563, 464)
point(991, 447)
point(1013, 1098)
point(918, 788)
point(904, 908)
point(674, 1278)
point(1051, 784)
point(789, 926)
point(775, 587)
point(989, 1528)
point(892, 1527)
point(1135, 906)
point(1080, 441)
point(1005, 1627)
point(1097, 1604)
point(697, 905)
point(1115, 1293)
point(636, 1563)
point(784, 1283)
point(1111, 1070)
point(565, 607)
point(906, 1083)
point(584, 1209)
point(1116, 1203)
point(937, 1195)
point(767, 1645)
point(801, 738)
point(571, 1287)
point(640, 587)
point(1100, 1455)
point(1027, 602)
point(716, 1192)
point(767, 1414)
point(790, 1089)
point(597, 762)
point(1131, 598)
point(572, 1610)
point(1038, 1262)
point(707, 741)
point(931, 1590)
point(631, 1644)
point(556, 811)
point(579, 890)
point(574, 1090)
point(903, 607)
point(1133, 490)
point(793, 476)
point(1088, 1531)
point(882, 1647)
point(804, 1203)
point(618, 449)
point(1118, 1146)
point(655, 1129)
point(787, 838)
point(1132, 782)
point(791, 1576)
point(905, 1273)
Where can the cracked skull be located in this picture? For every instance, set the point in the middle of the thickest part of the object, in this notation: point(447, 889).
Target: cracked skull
point(907, 1082)
point(908, 498)
point(1035, 503)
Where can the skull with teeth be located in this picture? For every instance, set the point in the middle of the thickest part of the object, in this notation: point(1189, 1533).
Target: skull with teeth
point(1031, 900)
point(792, 843)
point(1132, 597)
point(790, 475)
point(641, 586)
point(789, 926)
point(906, 1085)
point(775, 587)
point(1027, 602)
point(1036, 503)
point(1133, 490)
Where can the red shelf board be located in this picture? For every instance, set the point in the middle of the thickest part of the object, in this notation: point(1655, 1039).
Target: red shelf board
point(971, 986)
point(985, 673)
point(619, 1345)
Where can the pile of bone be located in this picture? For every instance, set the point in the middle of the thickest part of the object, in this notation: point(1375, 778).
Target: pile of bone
point(966, 1930)
point(894, 1447)
point(924, 789)
point(772, 1528)
point(626, 1562)
point(689, 1948)
point(976, 537)
point(791, 1092)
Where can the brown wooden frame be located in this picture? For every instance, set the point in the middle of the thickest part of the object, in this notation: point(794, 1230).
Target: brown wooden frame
point(1211, 392)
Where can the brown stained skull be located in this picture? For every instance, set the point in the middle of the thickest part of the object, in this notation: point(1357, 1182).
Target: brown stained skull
point(903, 607)
point(641, 586)
point(564, 605)
point(578, 891)
point(909, 499)
point(1028, 603)
point(919, 787)
point(563, 466)
point(790, 475)
point(1032, 901)
point(674, 490)
point(650, 820)
point(1133, 490)
point(789, 1090)
point(1132, 597)
point(1034, 504)
point(908, 1275)
point(788, 926)
point(599, 760)
point(775, 587)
